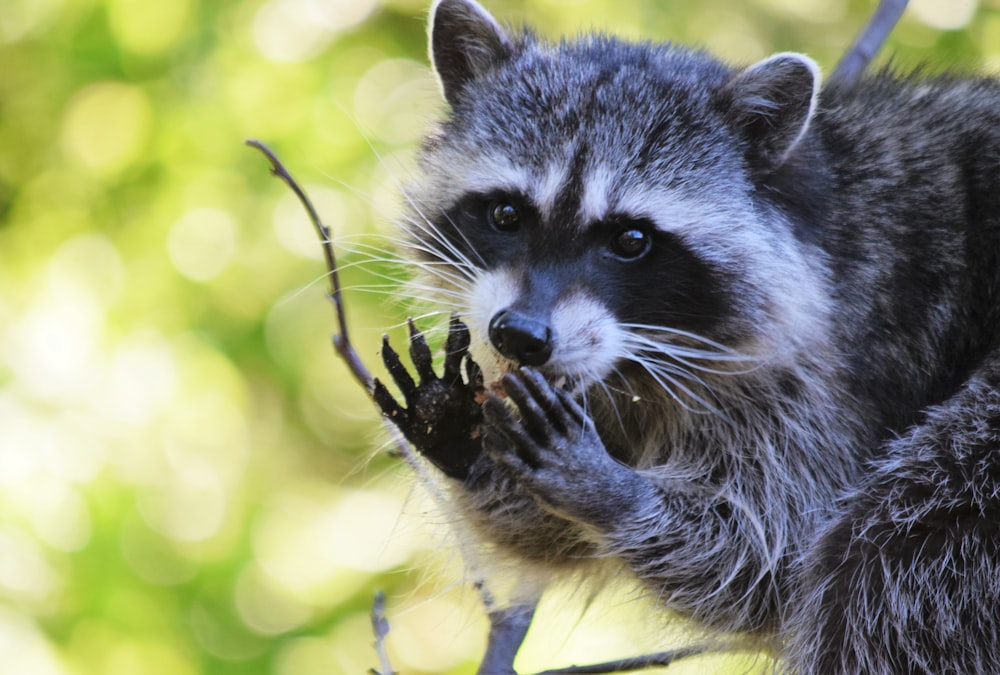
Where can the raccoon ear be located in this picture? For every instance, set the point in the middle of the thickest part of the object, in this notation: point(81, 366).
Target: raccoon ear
point(465, 41)
point(771, 104)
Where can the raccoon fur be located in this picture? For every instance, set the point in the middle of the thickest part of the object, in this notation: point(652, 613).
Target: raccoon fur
point(746, 327)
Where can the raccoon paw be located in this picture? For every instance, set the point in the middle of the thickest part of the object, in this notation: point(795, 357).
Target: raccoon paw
point(555, 451)
point(442, 418)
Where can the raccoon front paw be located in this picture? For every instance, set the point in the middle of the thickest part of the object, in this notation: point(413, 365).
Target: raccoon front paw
point(555, 451)
point(442, 418)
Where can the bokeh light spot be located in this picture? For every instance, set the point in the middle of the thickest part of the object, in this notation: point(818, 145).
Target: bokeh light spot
point(943, 14)
point(24, 570)
point(322, 546)
point(187, 507)
point(147, 28)
point(152, 557)
point(106, 125)
point(141, 379)
point(54, 348)
point(295, 30)
point(395, 99)
point(89, 260)
point(201, 243)
point(339, 211)
point(23, 18)
point(59, 515)
point(426, 637)
point(264, 607)
point(23, 648)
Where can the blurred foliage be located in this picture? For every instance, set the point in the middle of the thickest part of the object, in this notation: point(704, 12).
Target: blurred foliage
point(189, 481)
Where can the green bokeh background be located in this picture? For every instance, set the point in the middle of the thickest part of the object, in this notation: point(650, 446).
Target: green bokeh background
point(190, 482)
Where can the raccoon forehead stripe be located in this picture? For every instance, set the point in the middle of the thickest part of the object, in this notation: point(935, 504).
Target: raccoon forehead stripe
point(595, 200)
point(546, 191)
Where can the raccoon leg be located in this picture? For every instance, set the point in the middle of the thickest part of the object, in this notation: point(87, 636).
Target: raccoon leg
point(908, 578)
point(444, 422)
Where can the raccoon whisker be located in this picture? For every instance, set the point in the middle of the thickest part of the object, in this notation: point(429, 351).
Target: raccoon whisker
point(433, 229)
point(607, 389)
point(438, 246)
point(433, 291)
point(666, 353)
point(444, 271)
point(306, 287)
point(392, 291)
point(446, 274)
point(465, 239)
point(676, 376)
point(428, 227)
point(706, 369)
point(436, 243)
point(450, 307)
point(681, 373)
point(366, 260)
point(689, 356)
point(447, 270)
point(684, 351)
point(418, 318)
point(719, 350)
point(671, 385)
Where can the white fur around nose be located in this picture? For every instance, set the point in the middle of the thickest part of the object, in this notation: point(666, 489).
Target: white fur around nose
point(588, 338)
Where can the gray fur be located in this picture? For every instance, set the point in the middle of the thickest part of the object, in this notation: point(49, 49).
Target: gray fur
point(809, 453)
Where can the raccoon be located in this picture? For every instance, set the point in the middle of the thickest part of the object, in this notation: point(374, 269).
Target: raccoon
point(730, 329)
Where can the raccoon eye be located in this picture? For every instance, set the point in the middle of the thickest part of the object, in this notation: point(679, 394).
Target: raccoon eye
point(630, 243)
point(504, 216)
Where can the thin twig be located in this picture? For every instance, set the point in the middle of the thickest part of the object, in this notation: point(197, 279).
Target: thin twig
point(380, 626)
point(633, 663)
point(341, 339)
point(507, 626)
point(869, 41)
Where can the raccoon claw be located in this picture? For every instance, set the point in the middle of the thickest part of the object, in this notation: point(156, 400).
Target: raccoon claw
point(442, 418)
point(456, 348)
point(390, 408)
point(398, 372)
point(420, 354)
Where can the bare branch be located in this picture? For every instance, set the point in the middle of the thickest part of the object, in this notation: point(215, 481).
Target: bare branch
point(868, 42)
point(341, 340)
point(380, 626)
point(507, 626)
point(634, 663)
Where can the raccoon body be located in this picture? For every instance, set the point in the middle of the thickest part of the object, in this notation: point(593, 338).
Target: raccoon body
point(748, 326)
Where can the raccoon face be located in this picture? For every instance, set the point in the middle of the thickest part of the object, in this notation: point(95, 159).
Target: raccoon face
point(596, 201)
point(563, 295)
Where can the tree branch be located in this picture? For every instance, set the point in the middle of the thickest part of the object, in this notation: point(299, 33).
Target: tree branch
point(508, 626)
point(380, 626)
point(341, 339)
point(869, 41)
point(631, 664)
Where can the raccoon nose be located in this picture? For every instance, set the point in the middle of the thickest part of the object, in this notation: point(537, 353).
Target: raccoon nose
point(521, 338)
